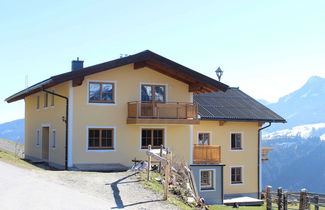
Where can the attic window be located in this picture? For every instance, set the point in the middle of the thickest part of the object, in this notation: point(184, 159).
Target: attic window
point(101, 92)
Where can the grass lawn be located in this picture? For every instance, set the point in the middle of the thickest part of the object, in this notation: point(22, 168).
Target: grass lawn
point(12, 159)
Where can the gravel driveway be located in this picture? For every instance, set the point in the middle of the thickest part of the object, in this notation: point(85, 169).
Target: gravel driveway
point(22, 188)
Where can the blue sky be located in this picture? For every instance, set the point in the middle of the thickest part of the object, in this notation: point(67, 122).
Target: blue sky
point(267, 48)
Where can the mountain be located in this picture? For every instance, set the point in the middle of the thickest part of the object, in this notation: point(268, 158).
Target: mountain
point(302, 131)
point(295, 163)
point(303, 106)
point(13, 130)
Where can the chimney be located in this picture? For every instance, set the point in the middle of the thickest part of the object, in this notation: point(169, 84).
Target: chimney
point(76, 65)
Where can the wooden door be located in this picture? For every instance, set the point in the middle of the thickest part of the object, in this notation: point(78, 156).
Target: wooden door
point(45, 143)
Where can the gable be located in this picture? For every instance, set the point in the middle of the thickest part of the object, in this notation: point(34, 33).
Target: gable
point(198, 83)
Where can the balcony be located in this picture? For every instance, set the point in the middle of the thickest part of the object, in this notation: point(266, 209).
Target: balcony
point(206, 154)
point(162, 113)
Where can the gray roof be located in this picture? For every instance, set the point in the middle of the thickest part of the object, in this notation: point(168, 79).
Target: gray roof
point(234, 105)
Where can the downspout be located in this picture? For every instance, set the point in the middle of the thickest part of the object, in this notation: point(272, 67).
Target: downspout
point(66, 124)
point(259, 160)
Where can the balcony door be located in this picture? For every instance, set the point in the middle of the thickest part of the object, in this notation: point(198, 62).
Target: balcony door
point(150, 95)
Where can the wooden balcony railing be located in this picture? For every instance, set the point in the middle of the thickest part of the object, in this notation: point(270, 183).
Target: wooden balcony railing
point(165, 112)
point(206, 154)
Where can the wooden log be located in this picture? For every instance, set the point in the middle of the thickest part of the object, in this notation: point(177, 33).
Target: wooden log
point(166, 184)
point(285, 201)
point(149, 162)
point(316, 201)
point(268, 198)
point(303, 199)
point(157, 157)
point(280, 199)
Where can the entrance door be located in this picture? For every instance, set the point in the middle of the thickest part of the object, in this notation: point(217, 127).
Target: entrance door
point(45, 143)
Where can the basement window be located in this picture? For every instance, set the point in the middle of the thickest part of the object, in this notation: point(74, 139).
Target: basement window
point(207, 180)
point(100, 139)
point(236, 175)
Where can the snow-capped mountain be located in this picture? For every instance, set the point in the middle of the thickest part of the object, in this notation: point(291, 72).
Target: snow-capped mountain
point(303, 106)
point(302, 131)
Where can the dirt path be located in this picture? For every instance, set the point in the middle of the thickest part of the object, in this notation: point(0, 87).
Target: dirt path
point(40, 189)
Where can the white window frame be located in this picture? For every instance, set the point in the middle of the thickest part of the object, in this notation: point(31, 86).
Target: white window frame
point(101, 127)
point(148, 83)
point(214, 179)
point(102, 104)
point(53, 138)
point(52, 97)
point(165, 136)
point(242, 141)
point(38, 100)
point(38, 137)
point(199, 132)
point(242, 174)
point(44, 97)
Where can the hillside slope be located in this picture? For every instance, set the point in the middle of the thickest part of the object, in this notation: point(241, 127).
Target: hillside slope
point(13, 131)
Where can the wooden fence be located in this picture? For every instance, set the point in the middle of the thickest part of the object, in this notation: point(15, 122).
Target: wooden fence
point(284, 200)
point(203, 154)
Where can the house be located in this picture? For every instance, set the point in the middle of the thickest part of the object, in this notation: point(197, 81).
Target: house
point(107, 114)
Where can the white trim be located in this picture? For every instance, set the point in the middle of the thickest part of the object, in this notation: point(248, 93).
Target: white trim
point(242, 174)
point(148, 127)
point(191, 97)
point(102, 104)
point(148, 83)
point(191, 144)
point(70, 126)
point(242, 141)
point(210, 135)
point(53, 139)
point(101, 150)
point(214, 179)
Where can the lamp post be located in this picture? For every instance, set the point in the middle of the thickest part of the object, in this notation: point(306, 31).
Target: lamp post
point(219, 73)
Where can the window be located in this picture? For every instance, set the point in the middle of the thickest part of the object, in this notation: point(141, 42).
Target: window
point(52, 99)
point(153, 137)
point(204, 138)
point(236, 141)
point(206, 180)
point(100, 138)
point(101, 92)
point(37, 137)
point(46, 100)
point(37, 101)
point(236, 175)
point(53, 138)
point(153, 93)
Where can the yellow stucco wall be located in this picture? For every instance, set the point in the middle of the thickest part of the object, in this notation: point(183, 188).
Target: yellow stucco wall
point(127, 83)
point(52, 117)
point(247, 158)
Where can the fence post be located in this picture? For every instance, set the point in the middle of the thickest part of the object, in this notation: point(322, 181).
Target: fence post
point(268, 198)
point(285, 201)
point(161, 149)
point(316, 198)
point(303, 199)
point(280, 199)
point(149, 163)
point(167, 171)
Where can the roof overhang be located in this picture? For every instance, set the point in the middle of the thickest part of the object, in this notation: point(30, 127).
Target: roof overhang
point(198, 83)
